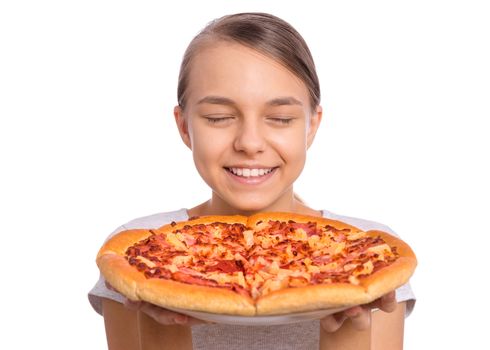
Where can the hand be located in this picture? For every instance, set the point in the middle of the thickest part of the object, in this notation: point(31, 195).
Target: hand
point(359, 315)
point(159, 314)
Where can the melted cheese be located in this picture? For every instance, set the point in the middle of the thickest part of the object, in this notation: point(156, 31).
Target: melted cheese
point(239, 257)
point(248, 235)
point(353, 280)
point(273, 268)
point(300, 235)
point(381, 250)
point(217, 232)
point(203, 250)
point(224, 278)
point(182, 260)
point(261, 226)
point(264, 275)
point(298, 273)
point(356, 235)
point(266, 242)
point(367, 268)
point(297, 282)
point(176, 239)
point(349, 267)
point(260, 260)
point(271, 285)
point(329, 267)
point(314, 242)
point(241, 279)
point(313, 269)
point(171, 267)
point(338, 247)
point(289, 251)
point(148, 263)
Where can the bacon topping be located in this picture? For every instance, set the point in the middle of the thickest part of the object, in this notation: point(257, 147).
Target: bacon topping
point(182, 277)
point(278, 254)
point(229, 266)
point(309, 228)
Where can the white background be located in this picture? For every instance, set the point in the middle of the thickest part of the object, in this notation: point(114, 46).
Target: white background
point(88, 142)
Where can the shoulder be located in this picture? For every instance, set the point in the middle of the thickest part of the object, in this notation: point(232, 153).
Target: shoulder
point(157, 220)
point(153, 221)
point(363, 224)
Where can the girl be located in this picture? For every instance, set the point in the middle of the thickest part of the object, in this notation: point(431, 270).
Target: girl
point(248, 109)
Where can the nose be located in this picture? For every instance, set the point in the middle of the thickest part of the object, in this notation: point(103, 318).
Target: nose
point(249, 137)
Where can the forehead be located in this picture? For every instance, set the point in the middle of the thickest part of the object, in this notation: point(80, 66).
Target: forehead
point(243, 74)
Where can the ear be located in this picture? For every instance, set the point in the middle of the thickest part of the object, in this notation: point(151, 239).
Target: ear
point(315, 120)
point(182, 125)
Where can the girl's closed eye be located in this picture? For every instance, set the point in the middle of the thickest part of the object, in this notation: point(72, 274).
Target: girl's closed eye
point(281, 120)
point(277, 120)
point(218, 119)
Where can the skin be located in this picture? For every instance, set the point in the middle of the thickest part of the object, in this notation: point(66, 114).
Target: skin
point(247, 128)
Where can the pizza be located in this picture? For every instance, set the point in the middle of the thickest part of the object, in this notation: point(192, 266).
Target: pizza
point(264, 264)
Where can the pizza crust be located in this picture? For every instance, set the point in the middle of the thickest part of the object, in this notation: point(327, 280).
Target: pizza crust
point(120, 275)
point(169, 293)
point(312, 297)
point(122, 241)
point(300, 218)
point(232, 219)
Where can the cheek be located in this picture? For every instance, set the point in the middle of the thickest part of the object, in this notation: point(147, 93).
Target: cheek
point(291, 146)
point(208, 149)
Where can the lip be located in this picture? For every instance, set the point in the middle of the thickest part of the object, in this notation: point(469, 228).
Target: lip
point(251, 166)
point(252, 180)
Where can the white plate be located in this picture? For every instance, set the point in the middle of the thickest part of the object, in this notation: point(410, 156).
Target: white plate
point(259, 320)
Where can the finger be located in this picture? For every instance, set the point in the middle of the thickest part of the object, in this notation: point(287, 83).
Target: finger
point(132, 305)
point(360, 317)
point(192, 321)
point(388, 302)
point(167, 317)
point(333, 322)
point(163, 316)
point(108, 286)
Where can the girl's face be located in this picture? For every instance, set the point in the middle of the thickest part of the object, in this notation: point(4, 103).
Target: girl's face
point(248, 122)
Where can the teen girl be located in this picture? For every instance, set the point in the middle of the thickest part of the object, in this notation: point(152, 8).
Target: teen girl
point(248, 109)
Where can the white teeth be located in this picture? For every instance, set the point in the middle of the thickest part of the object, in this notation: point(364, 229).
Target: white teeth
point(245, 172)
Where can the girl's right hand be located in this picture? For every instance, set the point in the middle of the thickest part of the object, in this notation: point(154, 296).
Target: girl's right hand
point(159, 314)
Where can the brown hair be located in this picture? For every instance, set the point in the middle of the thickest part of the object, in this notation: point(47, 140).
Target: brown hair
point(265, 33)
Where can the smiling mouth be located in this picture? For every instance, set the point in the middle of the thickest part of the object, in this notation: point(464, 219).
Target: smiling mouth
point(250, 173)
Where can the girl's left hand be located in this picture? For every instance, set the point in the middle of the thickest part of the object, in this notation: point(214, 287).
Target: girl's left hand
point(360, 315)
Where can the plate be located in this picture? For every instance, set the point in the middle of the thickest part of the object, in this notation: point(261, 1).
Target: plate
point(269, 320)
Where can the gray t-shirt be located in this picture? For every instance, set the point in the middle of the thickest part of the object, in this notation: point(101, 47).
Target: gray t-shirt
point(303, 335)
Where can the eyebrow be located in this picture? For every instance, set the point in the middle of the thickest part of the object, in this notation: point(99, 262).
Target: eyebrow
point(279, 101)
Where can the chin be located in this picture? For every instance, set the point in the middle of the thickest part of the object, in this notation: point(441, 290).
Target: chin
point(252, 206)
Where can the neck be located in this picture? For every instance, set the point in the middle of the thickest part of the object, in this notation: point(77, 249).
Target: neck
point(287, 203)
